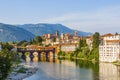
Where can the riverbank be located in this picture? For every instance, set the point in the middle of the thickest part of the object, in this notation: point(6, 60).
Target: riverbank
point(22, 71)
point(116, 63)
point(84, 59)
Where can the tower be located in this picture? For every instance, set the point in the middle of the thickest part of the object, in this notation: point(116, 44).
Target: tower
point(76, 33)
point(62, 36)
point(57, 33)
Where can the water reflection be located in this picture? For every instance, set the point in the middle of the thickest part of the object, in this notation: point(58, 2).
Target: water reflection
point(62, 69)
point(91, 69)
point(109, 71)
point(40, 59)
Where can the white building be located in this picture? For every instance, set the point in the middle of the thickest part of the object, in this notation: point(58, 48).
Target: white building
point(68, 47)
point(109, 49)
point(89, 41)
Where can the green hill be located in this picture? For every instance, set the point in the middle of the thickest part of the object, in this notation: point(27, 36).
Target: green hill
point(44, 28)
point(13, 33)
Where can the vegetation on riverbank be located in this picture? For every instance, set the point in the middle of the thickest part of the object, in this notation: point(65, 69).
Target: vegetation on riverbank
point(36, 41)
point(117, 63)
point(83, 51)
point(7, 59)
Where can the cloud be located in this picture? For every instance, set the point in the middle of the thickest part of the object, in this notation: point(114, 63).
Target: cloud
point(99, 20)
point(63, 18)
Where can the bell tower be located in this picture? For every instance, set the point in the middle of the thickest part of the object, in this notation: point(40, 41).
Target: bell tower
point(57, 33)
point(76, 33)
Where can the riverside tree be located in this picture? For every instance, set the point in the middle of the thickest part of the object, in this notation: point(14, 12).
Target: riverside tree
point(94, 54)
point(7, 58)
point(83, 51)
point(96, 40)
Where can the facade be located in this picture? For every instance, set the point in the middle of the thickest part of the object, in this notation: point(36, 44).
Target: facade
point(109, 49)
point(51, 38)
point(68, 47)
point(89, 41)
point(67, 42)
point(69, 38)
point(66, 38)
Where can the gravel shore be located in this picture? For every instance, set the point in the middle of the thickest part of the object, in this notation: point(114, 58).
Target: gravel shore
point(18, 74)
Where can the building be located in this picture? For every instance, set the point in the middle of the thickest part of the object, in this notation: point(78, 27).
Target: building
point(51, 38)
point(68, 47)
point(69, 38)
point(67, 42)
point(89, 41)
point(109, 49)
point(66, 38)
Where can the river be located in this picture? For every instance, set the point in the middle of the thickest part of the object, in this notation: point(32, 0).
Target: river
point(63, 69)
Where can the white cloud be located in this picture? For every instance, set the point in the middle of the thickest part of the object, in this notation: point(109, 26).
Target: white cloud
point(103, 20)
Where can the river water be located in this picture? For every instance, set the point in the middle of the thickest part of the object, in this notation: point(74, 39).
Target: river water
point(63, 69)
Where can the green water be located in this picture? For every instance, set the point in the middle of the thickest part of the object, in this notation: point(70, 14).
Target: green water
point(63, 69)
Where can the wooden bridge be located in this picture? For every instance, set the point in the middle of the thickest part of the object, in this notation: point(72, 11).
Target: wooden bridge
point(39, 50)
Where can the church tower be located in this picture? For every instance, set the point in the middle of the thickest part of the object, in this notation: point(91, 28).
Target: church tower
point(76, 33)
point(57, 34)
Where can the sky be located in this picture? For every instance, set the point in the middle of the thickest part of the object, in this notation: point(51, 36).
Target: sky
point(85, 15)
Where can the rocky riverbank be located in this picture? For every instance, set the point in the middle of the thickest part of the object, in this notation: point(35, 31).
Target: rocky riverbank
point(22, 71)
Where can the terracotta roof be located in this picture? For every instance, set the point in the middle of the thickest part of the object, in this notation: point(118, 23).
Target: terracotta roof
point(30, 45)
point(109, 34)
point(112, 40)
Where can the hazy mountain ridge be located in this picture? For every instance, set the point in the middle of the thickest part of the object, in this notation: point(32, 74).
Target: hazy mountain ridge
point(44, 28)
point(13, 33)
point(28, 31)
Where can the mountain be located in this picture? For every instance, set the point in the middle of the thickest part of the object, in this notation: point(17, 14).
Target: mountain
point(29, 31)
point(42, 28)
point(13, 33)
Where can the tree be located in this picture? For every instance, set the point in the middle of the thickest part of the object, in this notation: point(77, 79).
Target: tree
point(21, 42)
point(38, 39)
point(95, 51)
point(82, 43)
point(96, 40)
point(82, 49)
point(116, 33)
point(54, 39)
point(6, 60)
point(6, 46)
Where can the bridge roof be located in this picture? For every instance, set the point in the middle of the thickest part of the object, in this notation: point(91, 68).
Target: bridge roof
point(36, 46)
